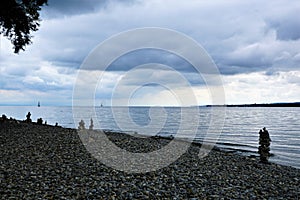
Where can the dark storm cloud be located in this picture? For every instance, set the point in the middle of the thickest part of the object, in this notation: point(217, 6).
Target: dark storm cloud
point(244, 39)
point(57, 8)
point(71, 7)
point(236, 63)
point(144, 56)
point(158, 57)
point(234, 69)
point(237, 44)
point(67, 63)
point(287, 29)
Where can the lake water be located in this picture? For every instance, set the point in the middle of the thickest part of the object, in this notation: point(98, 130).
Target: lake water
point(239, 132)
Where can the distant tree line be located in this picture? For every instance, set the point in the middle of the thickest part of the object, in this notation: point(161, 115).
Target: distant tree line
point(296, 104)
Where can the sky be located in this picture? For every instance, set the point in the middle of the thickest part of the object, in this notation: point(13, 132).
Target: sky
point(254, 44)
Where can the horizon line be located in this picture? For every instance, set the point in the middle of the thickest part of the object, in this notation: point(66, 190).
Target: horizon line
point(204, 105)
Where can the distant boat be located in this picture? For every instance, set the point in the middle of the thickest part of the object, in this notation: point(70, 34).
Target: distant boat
point(39, 104)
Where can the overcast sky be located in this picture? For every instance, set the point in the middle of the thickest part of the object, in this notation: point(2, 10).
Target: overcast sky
point(255, 45)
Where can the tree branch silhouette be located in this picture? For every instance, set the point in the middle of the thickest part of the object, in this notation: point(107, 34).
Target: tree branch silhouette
point(18, 18)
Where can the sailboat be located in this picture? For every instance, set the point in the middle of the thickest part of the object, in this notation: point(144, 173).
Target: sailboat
point(39, 104)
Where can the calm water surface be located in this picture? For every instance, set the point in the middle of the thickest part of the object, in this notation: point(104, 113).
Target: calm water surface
point(239, 133)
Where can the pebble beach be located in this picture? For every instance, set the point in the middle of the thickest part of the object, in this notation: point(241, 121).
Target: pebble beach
point(48, 162)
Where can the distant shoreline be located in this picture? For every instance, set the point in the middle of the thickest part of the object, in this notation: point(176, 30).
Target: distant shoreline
point(296, 104)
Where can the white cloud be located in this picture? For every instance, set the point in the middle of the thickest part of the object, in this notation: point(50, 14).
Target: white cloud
point(33, 80)
point(255, 44)
point(261, 88)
